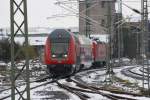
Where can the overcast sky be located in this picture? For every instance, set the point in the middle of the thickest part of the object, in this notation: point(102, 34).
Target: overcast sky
point(39, 10)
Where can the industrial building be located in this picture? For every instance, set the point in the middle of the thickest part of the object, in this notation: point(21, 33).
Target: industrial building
point(93, 16)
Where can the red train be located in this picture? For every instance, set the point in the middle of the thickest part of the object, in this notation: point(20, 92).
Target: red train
point(99, 52)
point(67, 53)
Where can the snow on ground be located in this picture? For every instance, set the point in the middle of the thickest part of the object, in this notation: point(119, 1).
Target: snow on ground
point(54, 87)
point(98, 77)
point(91, 95)
point(2, 63)
point(133, 97)
point(96, 97)
point(94, 77)
point(51, 87)
point(136, 69)
point(132, 80)
point(43, 92)
point(67, 83)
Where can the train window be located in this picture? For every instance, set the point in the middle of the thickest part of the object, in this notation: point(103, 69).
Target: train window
point(103, 4)
point(59, 50)
point(59, 40)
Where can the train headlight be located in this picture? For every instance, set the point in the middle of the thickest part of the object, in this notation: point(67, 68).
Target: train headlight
point(65, 55)
point(53, 56)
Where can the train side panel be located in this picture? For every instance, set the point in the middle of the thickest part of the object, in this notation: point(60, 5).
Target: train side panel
point(86, 52)
point(99, 54)
point(94, 50)
point(47, 52)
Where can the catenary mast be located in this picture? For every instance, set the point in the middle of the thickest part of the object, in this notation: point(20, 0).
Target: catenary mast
point(19, 7)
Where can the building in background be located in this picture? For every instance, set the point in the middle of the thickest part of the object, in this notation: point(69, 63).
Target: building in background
point(93, 16)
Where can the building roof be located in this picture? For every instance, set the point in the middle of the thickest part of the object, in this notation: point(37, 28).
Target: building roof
point(36, 36)
point(100, 37)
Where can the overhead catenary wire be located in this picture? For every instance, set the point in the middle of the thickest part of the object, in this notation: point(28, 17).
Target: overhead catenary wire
point(75, 14)
point(92, 21)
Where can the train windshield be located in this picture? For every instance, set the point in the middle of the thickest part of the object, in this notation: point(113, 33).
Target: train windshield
point(59, 49)
point(59, 39)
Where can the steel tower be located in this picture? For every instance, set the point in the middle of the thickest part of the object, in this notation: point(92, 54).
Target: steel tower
point(109, 69)
point(19, 24)
point(144, 43)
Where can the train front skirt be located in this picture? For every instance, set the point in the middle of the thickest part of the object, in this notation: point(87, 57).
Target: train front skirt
point(60, 69)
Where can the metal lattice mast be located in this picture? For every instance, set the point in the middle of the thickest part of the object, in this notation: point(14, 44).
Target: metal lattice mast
point(87, 21)
point(19, 24)
point(109, 70)
point(144, 43)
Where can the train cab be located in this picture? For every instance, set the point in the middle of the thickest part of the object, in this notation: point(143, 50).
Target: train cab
point(60, 52)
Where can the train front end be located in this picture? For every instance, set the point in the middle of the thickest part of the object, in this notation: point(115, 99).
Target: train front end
point(60, 52)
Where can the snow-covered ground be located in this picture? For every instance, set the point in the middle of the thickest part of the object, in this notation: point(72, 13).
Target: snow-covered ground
point(2, 63)
point(49, 91)
point(98, 77)
point(94, 77)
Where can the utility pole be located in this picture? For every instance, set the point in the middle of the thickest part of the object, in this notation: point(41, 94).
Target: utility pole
point(19, 7)
point(120, 35)
point(109, 69)
point(87, 21)
point(144, 44)
point(138, 47)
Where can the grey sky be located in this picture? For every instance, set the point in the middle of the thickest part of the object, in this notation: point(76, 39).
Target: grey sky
point(39, 10)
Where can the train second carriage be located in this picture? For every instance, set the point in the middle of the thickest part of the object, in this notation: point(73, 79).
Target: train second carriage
point(86, 54)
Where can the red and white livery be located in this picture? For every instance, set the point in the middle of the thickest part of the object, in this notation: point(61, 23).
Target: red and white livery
point(99, 52)
point(66, 53)
point(62, 52)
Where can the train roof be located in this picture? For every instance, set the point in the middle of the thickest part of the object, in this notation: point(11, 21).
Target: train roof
point(35, 37)
point(84, 40)
point(63, 33)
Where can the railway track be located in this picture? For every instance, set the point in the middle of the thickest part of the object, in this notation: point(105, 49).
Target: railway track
point(74, 91)
point(44, 79)
point(83, 89)
point(43, 84)
point(22, 84)
point(79, 92)
point(128, 72)
point(32, 62)
point(108, 95)
point(145, 71)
